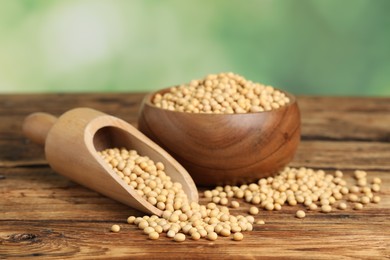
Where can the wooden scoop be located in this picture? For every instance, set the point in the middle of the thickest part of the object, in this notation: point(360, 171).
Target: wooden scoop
point(71, 144)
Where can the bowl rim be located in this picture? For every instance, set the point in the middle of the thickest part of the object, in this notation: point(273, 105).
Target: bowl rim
point(148, 101)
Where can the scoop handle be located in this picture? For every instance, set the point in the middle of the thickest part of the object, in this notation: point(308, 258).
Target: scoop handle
point(36, 126)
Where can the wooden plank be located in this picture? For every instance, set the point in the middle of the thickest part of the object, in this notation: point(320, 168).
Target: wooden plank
point(345, 240)
point(343, 155)
point(344, 104)
point(39, 190)
point(327, 125)
point(345, 118)
point(327, 118)
point(312, 153)
point(123, 104)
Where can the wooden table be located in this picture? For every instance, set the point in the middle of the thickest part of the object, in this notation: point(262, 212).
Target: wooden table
point(43, 214)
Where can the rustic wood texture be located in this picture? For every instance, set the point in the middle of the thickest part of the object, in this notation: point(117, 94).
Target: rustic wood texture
point(220, 149)
point(45, 215)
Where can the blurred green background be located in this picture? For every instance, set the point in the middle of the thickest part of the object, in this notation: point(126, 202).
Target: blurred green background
point(324, 47)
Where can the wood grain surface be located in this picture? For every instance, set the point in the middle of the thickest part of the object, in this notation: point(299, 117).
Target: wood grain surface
point(45, 215)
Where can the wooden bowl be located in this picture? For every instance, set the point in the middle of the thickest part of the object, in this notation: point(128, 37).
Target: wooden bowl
point(225, 148)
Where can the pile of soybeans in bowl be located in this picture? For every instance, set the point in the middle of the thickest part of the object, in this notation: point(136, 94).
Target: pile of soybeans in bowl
point(313, 190)
point(224, 93)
